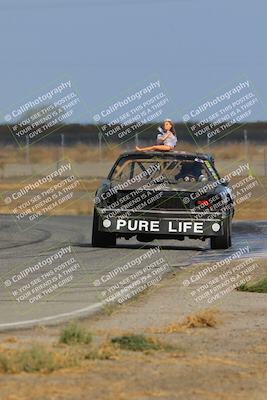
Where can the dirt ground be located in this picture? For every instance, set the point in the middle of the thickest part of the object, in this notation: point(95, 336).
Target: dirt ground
point(225, 362)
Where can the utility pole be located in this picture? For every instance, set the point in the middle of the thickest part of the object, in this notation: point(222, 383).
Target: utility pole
point(246, 143)
point(265, 162)
point(62, 146)
point(27, 154)
point(136, 139)
point(100, 145)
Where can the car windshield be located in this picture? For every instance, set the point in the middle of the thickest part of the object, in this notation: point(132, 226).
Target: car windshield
point(180, 172)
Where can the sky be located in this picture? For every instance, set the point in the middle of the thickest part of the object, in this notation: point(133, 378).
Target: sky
point(106, 47)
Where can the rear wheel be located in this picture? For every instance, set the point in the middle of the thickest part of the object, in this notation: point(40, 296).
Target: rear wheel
point(101, 239)
point(224, 241)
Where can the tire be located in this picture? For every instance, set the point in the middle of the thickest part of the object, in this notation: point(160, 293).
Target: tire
point(224, 241)
point(101, 239)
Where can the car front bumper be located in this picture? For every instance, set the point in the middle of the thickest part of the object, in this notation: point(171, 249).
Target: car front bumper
point(174, 223)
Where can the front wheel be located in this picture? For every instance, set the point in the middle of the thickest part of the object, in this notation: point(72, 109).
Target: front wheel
point(101, 239)
point(224, 241)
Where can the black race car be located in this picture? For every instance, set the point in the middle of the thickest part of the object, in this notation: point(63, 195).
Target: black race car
point(170, 195)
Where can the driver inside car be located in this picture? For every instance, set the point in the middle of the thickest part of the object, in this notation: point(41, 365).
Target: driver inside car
point(191, 171)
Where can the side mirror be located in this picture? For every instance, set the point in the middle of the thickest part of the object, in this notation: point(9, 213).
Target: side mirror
point(224, 181)
point(202, 178)
point(106, 184)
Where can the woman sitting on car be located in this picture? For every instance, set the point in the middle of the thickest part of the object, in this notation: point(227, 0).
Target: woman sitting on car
point(166, 139)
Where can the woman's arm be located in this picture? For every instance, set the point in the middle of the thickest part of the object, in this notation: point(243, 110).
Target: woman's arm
point(165, 136)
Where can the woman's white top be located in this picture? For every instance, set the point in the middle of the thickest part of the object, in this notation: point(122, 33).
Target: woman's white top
point(169, 141)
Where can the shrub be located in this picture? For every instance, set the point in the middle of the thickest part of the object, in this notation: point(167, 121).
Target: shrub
point(74, 334)
point(135, 343)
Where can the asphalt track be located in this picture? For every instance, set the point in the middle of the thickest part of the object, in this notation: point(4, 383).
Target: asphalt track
point(25, 245)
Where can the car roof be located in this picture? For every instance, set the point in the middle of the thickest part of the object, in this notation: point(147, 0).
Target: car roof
point(167, 154)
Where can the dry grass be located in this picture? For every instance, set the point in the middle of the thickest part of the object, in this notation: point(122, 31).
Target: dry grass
point(109, 308)
point(14, 184)
point(78, 207)
point(11, 339)
point(106, 351)
point(74, 349)
point(84, 153)
point(252, 209)
point(228, 151)
point(41, 154)
point(42, 358)
point(203, 319)
point(35, 359)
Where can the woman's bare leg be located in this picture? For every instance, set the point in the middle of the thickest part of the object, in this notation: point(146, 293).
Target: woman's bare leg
point(161, 147)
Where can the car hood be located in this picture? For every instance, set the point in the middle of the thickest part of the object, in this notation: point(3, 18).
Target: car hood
point(188, 187)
